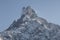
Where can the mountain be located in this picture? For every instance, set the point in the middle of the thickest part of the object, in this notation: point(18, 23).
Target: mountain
point(31, 27)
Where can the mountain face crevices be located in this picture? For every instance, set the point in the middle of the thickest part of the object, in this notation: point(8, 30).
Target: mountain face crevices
point(31, 27)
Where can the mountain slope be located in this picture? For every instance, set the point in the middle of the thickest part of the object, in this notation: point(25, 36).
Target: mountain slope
point(31, 27)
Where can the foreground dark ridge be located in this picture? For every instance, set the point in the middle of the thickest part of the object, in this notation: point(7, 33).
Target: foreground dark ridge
point(31, 27)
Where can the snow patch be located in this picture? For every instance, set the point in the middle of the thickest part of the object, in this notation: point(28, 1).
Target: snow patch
point(1, 38)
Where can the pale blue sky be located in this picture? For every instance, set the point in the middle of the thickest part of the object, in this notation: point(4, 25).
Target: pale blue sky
point(11, 10)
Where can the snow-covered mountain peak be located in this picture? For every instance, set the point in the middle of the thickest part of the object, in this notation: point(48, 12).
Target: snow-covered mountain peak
point(31, 27)
point(28, 15)
point(28, 12)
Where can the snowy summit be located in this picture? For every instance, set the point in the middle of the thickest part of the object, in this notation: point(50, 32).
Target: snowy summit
point(31, 27)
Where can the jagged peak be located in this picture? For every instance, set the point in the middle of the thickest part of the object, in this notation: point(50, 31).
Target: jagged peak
point(28, 11)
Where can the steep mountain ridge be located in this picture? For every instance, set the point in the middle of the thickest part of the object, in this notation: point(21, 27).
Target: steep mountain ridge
point(26, 17)
point(31, 27)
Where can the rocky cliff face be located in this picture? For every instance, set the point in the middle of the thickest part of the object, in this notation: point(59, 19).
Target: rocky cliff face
point(31, 27)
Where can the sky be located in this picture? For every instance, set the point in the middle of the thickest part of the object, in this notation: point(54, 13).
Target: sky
point(11, 10)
